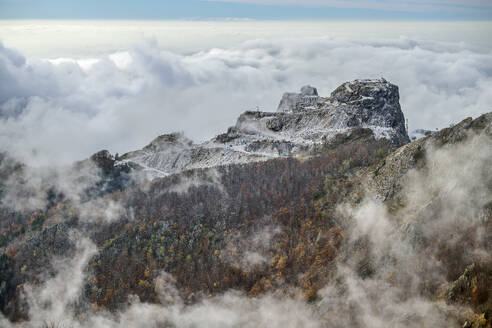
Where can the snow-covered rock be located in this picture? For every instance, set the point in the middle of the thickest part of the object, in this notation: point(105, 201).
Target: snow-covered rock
point(303, 121)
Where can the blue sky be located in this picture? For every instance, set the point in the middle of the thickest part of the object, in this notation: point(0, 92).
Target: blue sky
point(254, 9)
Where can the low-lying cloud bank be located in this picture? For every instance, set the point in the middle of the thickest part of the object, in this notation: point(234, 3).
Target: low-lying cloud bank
point(61, 111)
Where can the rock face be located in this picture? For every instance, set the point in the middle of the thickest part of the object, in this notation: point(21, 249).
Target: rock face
point(303, 122)
point(370, 103)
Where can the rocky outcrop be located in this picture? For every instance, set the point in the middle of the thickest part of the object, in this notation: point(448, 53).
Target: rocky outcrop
point(303, 122)
point(371, 104)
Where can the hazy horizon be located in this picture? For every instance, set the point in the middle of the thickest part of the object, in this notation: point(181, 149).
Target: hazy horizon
point(95, 37)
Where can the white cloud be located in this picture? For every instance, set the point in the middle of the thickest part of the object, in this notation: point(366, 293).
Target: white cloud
point(68, 110)
point(96, 38)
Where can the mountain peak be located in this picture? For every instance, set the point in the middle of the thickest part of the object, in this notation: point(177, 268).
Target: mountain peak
point(302, 122)
point(358, 90)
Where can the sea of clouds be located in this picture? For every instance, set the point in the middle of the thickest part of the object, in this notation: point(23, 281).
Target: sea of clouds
point(61, 110)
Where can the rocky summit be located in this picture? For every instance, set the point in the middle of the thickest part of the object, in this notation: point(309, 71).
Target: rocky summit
point(302, 123)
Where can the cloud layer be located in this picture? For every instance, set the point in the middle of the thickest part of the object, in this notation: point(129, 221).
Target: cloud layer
point(64, 110)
